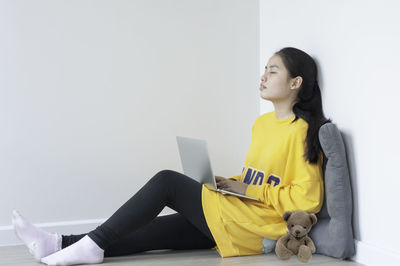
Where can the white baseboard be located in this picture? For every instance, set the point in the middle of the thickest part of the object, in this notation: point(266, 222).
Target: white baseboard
point(9, 238)
point(371, 255)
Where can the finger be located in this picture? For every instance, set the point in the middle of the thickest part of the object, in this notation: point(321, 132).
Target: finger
point(223, 185)
point(227, 188)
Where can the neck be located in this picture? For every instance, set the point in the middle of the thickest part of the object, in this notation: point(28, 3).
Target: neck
point(283, 110)
point(298, 238)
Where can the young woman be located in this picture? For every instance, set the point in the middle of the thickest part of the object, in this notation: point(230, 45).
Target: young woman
point(283, 169)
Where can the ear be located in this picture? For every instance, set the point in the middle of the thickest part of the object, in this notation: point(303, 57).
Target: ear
point(286, 215)
point(297, 81)
point(313, 218)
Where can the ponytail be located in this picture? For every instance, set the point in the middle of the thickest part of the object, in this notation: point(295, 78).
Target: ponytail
point(308, 104)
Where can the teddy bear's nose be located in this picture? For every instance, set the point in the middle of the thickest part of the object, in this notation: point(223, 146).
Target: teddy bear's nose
point(297, 232)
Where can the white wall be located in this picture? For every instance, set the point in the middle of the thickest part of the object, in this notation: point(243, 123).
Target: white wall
point(93, 94)
point(355, 44)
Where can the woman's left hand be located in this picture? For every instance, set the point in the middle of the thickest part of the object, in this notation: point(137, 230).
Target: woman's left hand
point(231, 185)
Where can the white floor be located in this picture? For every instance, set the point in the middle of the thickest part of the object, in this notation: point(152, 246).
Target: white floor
point(19, 255)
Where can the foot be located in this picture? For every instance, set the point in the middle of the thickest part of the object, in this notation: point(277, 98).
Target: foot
point(39, 242)
point(85, 251)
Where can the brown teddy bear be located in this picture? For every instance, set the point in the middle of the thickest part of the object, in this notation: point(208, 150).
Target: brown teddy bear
point(296, 241)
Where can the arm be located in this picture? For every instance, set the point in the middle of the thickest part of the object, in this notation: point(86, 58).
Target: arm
point(296, 196)
point(305, 191)
point(310, 244)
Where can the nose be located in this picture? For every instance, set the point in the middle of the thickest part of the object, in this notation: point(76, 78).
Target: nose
point(297, 232)
point(263, 78)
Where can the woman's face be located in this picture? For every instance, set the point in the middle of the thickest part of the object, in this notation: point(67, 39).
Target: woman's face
point(275, 85)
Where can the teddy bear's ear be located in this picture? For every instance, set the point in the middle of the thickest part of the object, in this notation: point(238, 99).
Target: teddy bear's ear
point(313, 218)
point(286, 215)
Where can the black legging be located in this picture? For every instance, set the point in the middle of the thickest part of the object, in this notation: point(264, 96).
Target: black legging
point(135, 226)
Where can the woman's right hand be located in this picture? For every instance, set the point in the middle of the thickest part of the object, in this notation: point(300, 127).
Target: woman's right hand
point(231, 185)
point(219, 178)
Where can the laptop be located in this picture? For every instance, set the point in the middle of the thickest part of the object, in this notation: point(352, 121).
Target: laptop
point(197, 165)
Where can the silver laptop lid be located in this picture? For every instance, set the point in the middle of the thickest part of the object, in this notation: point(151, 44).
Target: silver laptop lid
point(196, 160)
point(197, 165)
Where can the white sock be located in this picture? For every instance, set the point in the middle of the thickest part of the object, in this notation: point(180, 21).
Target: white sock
point(84, 251)
point(39, 242)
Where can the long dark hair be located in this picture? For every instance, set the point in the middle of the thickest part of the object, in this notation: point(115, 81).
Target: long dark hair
point(308, 104)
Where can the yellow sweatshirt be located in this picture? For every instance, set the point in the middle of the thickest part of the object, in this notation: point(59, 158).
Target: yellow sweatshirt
point(276, 173)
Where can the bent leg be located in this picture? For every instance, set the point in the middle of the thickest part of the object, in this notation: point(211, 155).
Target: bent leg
point(166, 188)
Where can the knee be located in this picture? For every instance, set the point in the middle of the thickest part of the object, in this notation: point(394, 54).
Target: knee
point(166, 172)
point(164, 176)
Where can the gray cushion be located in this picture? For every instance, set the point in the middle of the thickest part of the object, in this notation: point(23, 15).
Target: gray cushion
point(333, 233)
